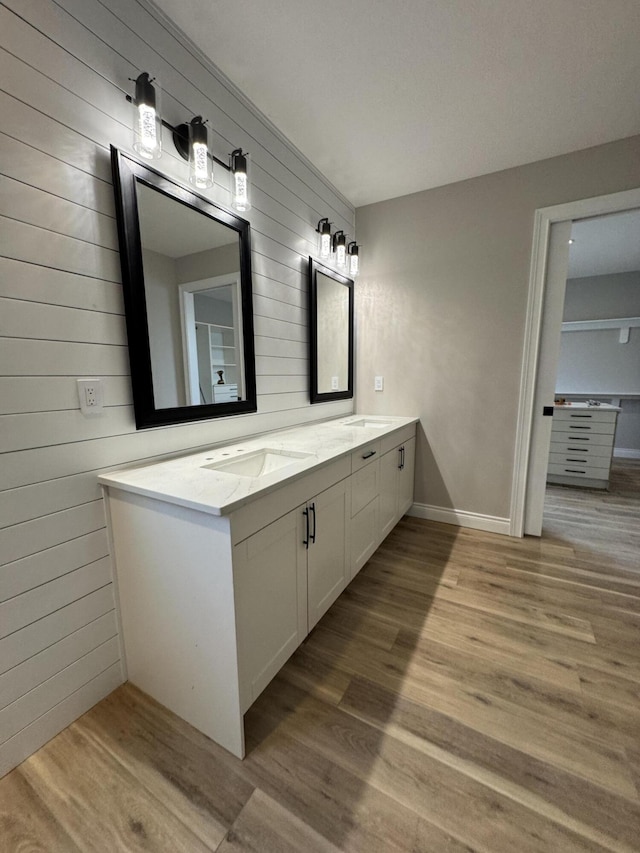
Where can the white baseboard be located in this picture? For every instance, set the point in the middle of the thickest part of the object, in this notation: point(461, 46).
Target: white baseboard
point(626, 453)
point(461, 518)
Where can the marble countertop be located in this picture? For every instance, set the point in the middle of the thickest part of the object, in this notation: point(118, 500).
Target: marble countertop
point(603, 407)
point(187, 482)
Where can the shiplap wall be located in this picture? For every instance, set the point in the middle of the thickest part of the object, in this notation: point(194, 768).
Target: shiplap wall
point(63, 69)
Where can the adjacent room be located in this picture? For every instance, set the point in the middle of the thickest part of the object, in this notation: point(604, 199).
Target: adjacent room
point(320, 426)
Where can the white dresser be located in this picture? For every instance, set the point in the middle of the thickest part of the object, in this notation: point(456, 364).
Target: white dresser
point(582, 439)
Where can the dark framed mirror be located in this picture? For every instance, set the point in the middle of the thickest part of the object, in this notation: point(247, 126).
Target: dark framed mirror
point(186, 275)
point(330, 334)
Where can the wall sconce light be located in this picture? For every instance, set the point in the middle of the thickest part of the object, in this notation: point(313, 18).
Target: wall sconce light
point(147, 123)
point(240, 180)
point(191, 140)
point(192, 143)
point(324, 238)
point(340, 249)
point(354, 260)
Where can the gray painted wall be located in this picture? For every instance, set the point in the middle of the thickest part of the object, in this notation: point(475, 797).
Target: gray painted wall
point(440, 309)
point(600, 297)
point(64, 66)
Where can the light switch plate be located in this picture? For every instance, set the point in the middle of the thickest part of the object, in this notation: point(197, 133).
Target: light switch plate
point(334, 383)
point(378, 383)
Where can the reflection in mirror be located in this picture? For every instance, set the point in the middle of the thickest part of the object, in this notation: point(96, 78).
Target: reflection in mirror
point(332, 306)
point(195, 332)
point(331, 334)
point(187, 279)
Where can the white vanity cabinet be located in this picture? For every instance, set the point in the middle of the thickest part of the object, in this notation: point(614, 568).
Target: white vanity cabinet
point(217, 586)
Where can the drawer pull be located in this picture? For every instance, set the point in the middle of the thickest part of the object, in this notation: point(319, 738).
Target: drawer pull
point(584, 461)
point(305, 541)
point(574, 471)
point(579, 437)
point(312, 536)
point(579, 449)
point(369, 454)
point(581, 416)
point(575, 426)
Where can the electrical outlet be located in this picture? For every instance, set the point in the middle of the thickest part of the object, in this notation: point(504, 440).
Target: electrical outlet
point(378, 383)
point(334, 383)
point(91, 396)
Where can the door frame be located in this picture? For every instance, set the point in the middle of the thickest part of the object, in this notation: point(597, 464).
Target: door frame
point(523, 488)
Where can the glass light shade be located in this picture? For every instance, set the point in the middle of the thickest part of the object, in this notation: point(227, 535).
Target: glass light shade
point(240, 181)
point(147, 124)
point(324, 239)
point(340, 249)
point(354, 259)
point(200, 169)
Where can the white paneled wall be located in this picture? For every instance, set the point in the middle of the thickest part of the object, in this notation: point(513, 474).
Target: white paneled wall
point(64, 66)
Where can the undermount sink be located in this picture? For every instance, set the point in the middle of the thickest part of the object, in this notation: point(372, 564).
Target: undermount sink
point(369, 422)
point(258, 463)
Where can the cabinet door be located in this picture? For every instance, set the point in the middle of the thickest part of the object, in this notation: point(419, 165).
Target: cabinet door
point(327, 554)
point(365, 535)
point(405, 478)
point(270, 578)
point(389, 473)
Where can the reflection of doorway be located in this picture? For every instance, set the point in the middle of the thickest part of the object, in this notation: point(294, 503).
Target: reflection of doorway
point(211, 317)
point(552, 231)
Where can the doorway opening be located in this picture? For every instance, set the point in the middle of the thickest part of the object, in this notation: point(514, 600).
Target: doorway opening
point(545, 316)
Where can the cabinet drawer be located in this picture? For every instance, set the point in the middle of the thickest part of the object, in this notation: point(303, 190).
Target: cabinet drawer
point(565, 427)
point(593, 415)
point(569, 446)
point(579, 471)
point(364, 456)
point(365, 486)
point(577, 460)
point(580, 437)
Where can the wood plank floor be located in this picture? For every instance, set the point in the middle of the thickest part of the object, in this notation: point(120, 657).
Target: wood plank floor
point(468, 692)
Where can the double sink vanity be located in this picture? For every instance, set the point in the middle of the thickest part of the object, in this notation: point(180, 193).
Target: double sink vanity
point(226, 559)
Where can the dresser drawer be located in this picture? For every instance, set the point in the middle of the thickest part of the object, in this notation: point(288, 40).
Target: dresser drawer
point(580, 460)
point(565, 427)
point(585, 472)
point(593, 415)
point(588, 449)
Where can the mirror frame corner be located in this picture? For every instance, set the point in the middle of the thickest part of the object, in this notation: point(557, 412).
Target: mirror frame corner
point(126, 171)
point(327, 396)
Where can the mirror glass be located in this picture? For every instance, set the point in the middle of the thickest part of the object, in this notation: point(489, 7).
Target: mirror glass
point(331, 334)
point(187, 284)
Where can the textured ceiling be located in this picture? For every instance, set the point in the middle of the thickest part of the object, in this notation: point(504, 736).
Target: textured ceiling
point(390, 98)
